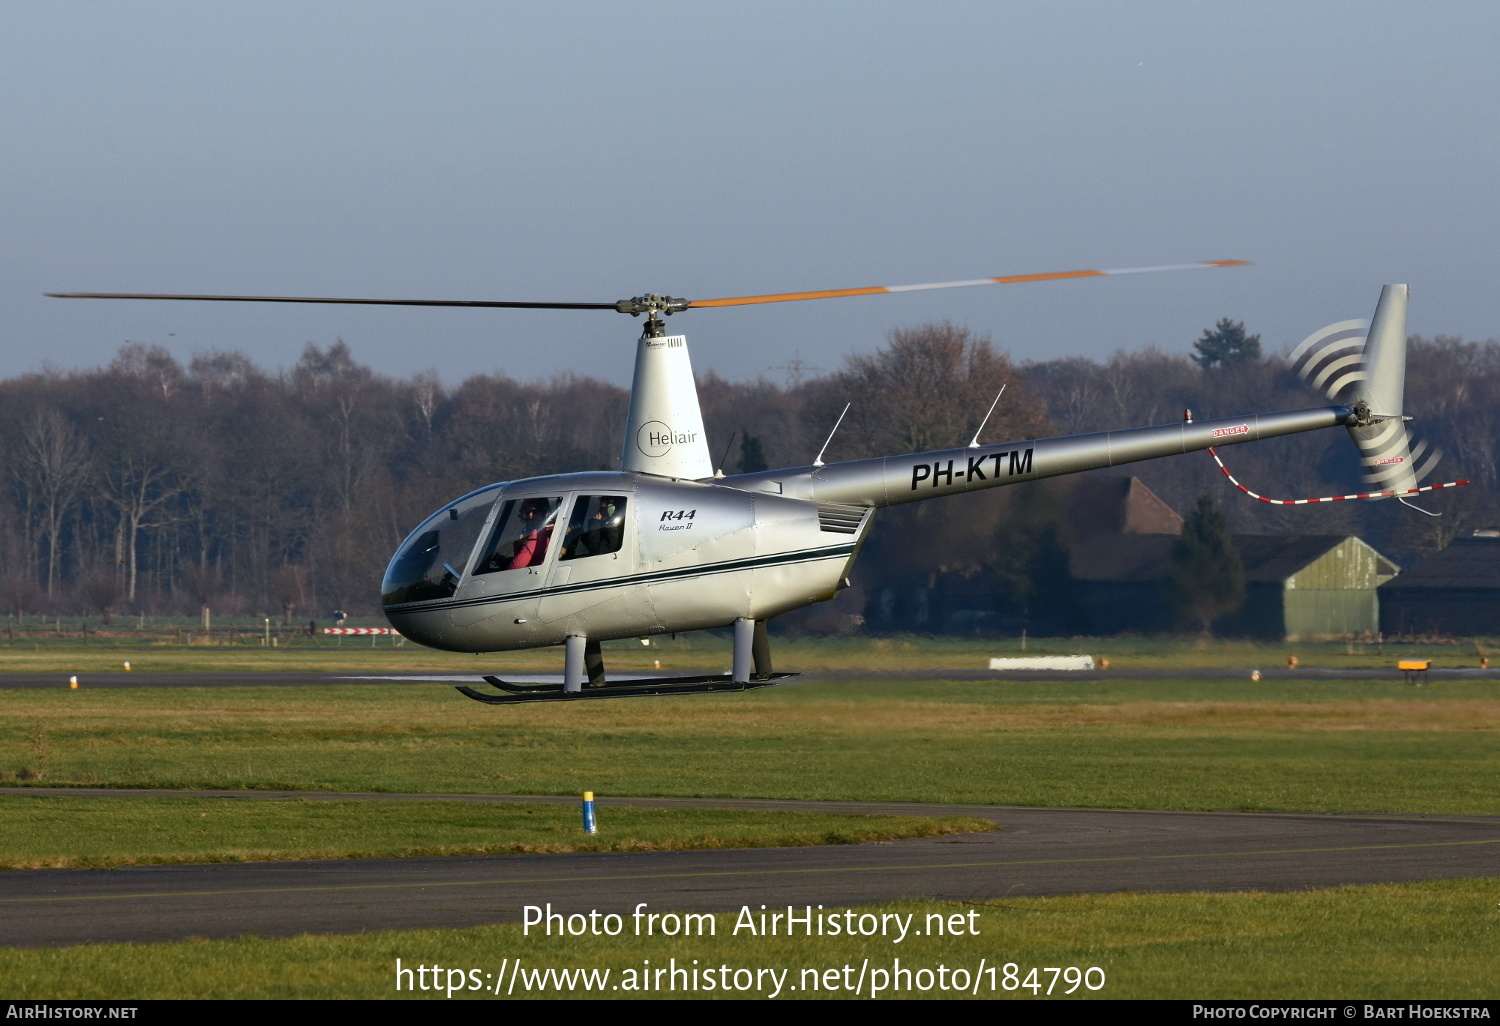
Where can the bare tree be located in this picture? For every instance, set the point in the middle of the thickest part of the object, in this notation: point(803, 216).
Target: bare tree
point(928, 388)
point(149, 363)
point(1074, 391)
point(289, 586)
point(203, 583)
point(101, 593)
point(426, 391)
point(19, 592)
point(141, 479)
point(51, 465)
point(217, 371)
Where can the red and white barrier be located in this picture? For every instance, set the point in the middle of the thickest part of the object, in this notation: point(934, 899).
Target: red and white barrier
point(360, 630)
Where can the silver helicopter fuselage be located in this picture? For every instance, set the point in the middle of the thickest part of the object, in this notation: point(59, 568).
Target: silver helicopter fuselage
point(703, 554)
point(690, 556)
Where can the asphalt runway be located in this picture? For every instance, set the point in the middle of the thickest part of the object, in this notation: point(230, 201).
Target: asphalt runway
point(246, 679)
point(1036, 852)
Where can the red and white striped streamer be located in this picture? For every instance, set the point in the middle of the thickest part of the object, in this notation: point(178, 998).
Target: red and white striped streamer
point(1328, 498)
point(360, 630)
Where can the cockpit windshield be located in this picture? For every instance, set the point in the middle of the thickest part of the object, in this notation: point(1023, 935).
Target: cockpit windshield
point(431, 561)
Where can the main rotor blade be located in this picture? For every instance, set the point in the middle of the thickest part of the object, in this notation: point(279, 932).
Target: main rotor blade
point(357, 302)
point(787, 297)
point(664, 304)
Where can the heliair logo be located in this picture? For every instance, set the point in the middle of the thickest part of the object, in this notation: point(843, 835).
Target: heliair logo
point(655, 438)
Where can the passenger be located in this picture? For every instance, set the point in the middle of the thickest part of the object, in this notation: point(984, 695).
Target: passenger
point(611, 526)
point(591, 542)
point(602, 532)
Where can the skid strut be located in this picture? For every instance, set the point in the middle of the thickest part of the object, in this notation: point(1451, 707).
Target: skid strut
point(515, 693)
point(584, 677)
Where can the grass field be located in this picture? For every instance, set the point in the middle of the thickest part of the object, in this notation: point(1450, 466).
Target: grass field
point(44, 652)
point(1402, 941)
point(1188, 744)
point(103, 832)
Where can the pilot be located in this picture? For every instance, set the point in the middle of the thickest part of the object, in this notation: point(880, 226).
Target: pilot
point(536, 532)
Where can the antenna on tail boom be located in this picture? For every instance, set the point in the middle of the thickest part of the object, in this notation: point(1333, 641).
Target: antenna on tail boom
point(819, 461)
point(974, 443)
point(725, 458)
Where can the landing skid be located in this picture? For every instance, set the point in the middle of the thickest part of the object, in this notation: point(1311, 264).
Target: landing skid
point(515, 693)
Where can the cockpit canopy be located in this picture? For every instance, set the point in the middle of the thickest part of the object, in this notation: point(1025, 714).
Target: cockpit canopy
point(431, 562)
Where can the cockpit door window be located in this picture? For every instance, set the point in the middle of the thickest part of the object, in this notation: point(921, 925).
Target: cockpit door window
point(521, 536)
point(596, 528)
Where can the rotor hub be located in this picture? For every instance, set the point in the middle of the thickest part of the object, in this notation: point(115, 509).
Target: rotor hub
point(652, 304)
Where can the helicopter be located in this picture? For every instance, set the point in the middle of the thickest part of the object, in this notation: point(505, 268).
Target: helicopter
point(669, 544)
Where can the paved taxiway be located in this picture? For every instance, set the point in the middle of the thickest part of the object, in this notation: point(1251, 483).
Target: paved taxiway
point(1037, 851)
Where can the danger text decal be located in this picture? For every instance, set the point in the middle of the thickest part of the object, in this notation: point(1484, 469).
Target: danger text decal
point(1241, 429)
point(946, 473)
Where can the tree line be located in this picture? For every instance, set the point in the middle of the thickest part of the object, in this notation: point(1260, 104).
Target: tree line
point(146, 486)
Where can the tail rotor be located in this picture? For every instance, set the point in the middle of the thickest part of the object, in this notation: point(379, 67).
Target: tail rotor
point(1363, 364)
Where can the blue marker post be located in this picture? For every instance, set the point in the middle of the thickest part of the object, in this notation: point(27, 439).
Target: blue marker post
point(589, 825)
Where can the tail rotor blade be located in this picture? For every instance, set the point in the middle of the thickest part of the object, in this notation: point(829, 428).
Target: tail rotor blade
point(1394, 459)
point(1331, 359)
point(1423, 468)
point(1385, 449)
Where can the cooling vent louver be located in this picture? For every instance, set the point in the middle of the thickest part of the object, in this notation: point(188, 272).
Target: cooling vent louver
point(838, 519)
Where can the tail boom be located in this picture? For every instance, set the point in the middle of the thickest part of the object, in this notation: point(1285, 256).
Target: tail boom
point(892, 480)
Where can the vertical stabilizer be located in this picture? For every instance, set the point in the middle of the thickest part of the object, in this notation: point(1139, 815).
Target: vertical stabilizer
point(664, 434)
point(1394, 461)
point(1385, 354)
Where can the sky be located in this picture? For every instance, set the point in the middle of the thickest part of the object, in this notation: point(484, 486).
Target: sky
point(588, 152)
